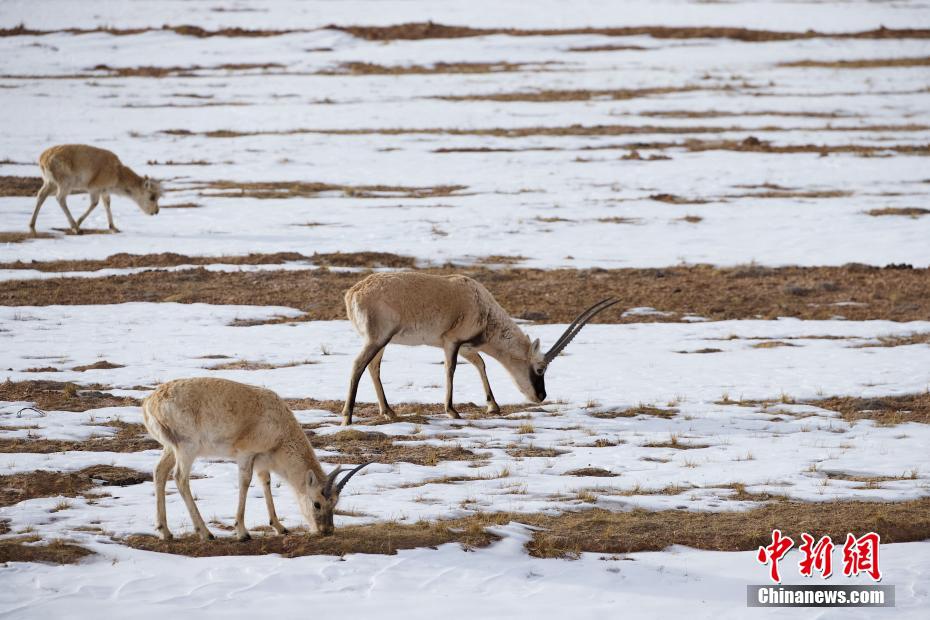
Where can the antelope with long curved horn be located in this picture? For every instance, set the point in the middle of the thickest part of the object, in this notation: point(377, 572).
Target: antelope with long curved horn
point(221, 418)
point(456, 314)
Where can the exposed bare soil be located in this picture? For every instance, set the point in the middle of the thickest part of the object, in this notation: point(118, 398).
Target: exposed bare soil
point(897, 292)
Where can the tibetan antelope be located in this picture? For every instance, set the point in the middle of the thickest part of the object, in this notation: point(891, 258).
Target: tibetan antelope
point(221, 418)
point(69, 168)
point(455, 313)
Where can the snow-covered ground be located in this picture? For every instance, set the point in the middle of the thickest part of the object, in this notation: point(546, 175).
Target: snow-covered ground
point(541, 196)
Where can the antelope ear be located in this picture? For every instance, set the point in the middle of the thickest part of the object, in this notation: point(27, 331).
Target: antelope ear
point(536, 346)
point(311, 480)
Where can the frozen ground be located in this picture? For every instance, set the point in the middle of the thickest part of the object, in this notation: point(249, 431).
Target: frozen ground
point(542, 196)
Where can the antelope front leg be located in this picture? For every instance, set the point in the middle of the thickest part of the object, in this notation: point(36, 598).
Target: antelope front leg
point(106, 206)
point(472, 356)
point(265, 477)
point(63, 203)
point(245, 479)
point(94, 199)
point(452, 353)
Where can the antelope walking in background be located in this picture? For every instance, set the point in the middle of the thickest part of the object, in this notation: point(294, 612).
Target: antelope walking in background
point(69, 168)
point(455, 313)
point(221, 418)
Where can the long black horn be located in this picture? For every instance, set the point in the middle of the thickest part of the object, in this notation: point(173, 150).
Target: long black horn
point(572, 330)
point(330, 479)
point(345, 478)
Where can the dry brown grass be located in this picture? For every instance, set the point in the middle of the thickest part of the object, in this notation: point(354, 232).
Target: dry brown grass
point(867, 63)
point(16, 488)
point(171, 259)
point(531, 451)
point(59, 396)
point(160, 72)
point(368, 68)
point(554, 296)
point(539, 96)
point(609, 48)
point(185, 30)
point(431, 30)
point(19, 186)
point(298, 189)
point(408, 412)
point(691, 219)
point(53, 552)
point(16, 236)
point(913, 212)
point(600, 531)
point(772, 344)
point(356, 446)
point(885, 410)
point(101, 365)
point(897, 341)
point(254, 365)
point(596, 472)
point(381, 538)
point(129, 437)
point(750, 144)
point(632, 412)
point(593, 530)
point(677, 200)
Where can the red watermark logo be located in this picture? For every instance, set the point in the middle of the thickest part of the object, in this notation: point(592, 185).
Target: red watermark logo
point(860, 555)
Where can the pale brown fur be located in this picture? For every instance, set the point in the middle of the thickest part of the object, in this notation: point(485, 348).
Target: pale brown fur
point(69, 168)
point(220, 418)
point(454, 313)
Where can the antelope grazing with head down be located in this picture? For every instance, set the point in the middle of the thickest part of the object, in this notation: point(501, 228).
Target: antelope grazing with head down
point(455, 313)
point(221, 418)
point(69, 168)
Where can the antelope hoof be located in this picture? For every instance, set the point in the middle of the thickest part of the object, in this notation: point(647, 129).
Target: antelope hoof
point(32, 231)
point(283, 531)
point(452, 413)
point(346, 422)
point(389, 415)
point(114, 229)
point(165, 534)
point(244, 537)
point(207, 535)
point(493, 408)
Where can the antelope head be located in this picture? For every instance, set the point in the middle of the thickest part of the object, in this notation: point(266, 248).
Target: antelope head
point(321, 498)
point(539, 362)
